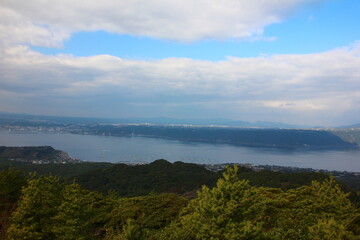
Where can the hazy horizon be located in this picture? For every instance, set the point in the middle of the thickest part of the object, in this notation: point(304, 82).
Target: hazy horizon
point(181, 121)
point(295, 62)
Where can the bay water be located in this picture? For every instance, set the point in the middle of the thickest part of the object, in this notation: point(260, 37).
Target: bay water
point(142, 149)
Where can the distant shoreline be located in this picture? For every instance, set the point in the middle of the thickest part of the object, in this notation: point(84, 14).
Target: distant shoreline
point(49, 155)
point(245, 137)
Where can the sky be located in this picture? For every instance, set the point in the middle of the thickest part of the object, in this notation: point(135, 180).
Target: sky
point(293, 61)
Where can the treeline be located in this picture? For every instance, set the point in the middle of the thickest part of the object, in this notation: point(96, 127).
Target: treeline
point(162, 176)
point(157, 177)
point(48, 207)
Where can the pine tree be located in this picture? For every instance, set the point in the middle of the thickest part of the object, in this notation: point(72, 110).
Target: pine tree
point(235, 210)
point(36, 208)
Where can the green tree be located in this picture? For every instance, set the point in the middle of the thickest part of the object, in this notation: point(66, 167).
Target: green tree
point(74, 218)
point(36, 208)
point(235, 210)
point(11, 182)
point(231, 210)
point(330, 230)
point(319, 208)
point(140, 217)
point(51, 209)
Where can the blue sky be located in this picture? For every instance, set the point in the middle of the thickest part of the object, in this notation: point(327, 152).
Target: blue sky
point(294, 61)
point(315, 28)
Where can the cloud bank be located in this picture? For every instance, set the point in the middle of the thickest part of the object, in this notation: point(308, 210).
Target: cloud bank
point(321, 84)
point(33, 21)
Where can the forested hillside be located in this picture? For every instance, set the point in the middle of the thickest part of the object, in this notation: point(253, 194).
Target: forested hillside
point(254, 137)
point(162, 176)
point(39, 154)
point(47, 207)
point(351, 135)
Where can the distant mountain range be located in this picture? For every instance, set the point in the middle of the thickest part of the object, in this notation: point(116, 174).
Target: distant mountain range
point(351, 126)
point(211, 121)
point(20, 118)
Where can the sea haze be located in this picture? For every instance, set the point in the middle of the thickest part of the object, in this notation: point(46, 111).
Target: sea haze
point(117, 149)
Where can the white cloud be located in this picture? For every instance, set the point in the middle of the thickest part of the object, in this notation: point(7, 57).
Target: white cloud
point(47, 23)
point(16, 29)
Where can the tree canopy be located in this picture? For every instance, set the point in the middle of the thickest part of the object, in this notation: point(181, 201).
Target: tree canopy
point(51, 208)
point(235, 210)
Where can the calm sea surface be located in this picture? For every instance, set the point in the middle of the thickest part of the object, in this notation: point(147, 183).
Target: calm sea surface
point(116, 149)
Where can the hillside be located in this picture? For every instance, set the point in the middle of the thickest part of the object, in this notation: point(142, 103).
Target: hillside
point(157, 177)
point(351, 135)
point(47, 207)
point(36, 154)
point(253, 137)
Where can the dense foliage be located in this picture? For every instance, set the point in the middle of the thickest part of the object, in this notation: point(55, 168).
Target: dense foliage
point(67, 170)
point(142, 217)
point(162, 176)
point(157, 177)
point(11, 183)
point(51, 208)
point(235, 210)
